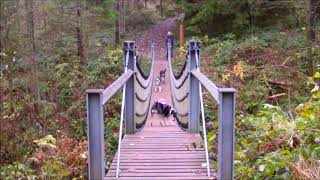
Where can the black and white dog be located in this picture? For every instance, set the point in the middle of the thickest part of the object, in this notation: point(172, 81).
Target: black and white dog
point(165, 110)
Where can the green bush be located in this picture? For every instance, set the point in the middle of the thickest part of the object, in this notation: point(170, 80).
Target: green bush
point(294, 42)
point(17, 170)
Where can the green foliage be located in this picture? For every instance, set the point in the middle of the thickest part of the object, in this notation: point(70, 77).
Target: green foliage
point(52, 169)
point(253, 42)
point(219, 16)
point(17, 170)
point(145, 64)
point(294, 42)
point(268, 140)
point(46, 142)
point(224, 52)
point(105, 67)
point(272, 137)
point(253, 95)
point(66, 77)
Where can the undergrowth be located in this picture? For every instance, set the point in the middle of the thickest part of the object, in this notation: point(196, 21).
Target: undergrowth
point(278, 104)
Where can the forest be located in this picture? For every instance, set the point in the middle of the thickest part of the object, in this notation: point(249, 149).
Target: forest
point(51, 51)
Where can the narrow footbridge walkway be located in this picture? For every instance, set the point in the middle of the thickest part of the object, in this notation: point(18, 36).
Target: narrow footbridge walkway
point(151, 147)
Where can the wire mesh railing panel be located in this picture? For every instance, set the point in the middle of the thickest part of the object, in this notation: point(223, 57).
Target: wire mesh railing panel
point(143, 90)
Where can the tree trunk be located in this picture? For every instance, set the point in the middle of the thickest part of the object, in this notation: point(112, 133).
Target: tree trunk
point(44, 15)
point(30, 25)
point(80, 37)
point(161, 8)
point(34, 88)
point(311, 34)
point(117, 33)
point(312, 20)
point(124, 16)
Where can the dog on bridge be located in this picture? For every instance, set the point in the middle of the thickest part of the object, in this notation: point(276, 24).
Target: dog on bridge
point(157, 84)
point(159, 80)
point(168, 112)
point(163, 74)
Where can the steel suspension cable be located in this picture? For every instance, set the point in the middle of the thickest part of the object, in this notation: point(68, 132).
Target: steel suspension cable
point(121, 116)
point(203, 117)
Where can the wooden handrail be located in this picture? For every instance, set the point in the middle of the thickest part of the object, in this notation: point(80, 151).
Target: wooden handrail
point(209, 85)
point(115, 86)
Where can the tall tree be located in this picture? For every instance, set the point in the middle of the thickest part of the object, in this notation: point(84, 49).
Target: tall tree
point(161, 8)
point(311, 32)
point(30, 24)
point(311, 19)
point(80, 35)
point(123, 16)
point(33, 51)
point(117, 24)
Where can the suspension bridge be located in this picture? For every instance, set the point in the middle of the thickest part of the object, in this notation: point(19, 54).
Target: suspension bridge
point(149, 150)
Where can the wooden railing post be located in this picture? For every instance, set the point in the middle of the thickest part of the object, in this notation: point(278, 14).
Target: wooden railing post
point(226, 132)
point(129, 114)
point(194, 101)
point(95, 122)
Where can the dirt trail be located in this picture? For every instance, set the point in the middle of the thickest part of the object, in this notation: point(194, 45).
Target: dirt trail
point(157, 34)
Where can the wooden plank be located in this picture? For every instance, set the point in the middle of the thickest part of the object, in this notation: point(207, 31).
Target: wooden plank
point(163, 135)
point(161, 129)
point(116, 85)
point(162, 144)
point(157, 139)
point(167, 140)
point(158, 146)
point(161, 154)
point(160, 163)
point(162, 178)
point(156, 150)
point(157, 143)
point(149, 160)
point(134, 158)
point(164, 156)
point(158, 160)
point(158, 174)
point(188, 167)
point(133, 170)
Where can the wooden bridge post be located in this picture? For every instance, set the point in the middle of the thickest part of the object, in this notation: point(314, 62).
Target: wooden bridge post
point(129, 113)
point(226, 132)
point(194, 103)
point(95, 122)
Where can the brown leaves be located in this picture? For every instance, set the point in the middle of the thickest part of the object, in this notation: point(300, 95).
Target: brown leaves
point(68, 152)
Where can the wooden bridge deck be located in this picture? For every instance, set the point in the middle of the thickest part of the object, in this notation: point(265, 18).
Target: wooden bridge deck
point(160, 152)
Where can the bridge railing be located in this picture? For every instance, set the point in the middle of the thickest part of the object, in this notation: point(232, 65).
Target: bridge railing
point(97, 98)
point(224, 97)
